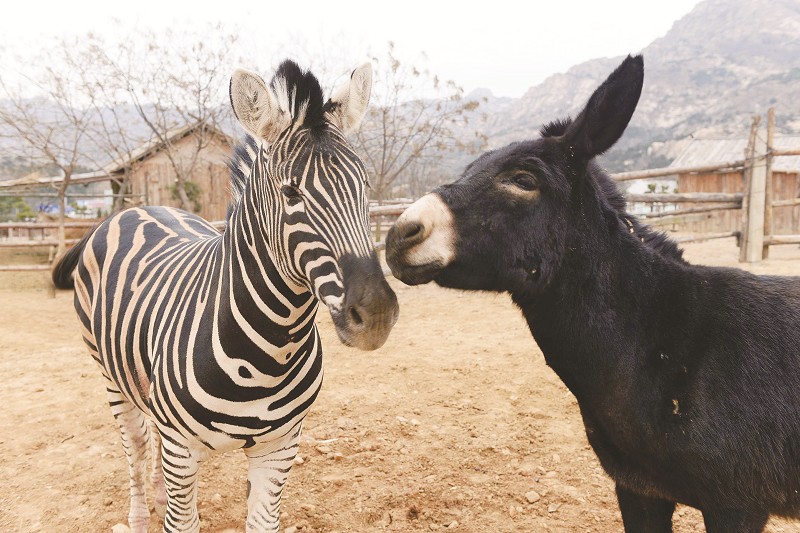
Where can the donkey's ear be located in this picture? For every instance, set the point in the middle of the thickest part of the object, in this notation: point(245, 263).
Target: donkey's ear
point(352, 98)
point(608, 111)
point(256, 107)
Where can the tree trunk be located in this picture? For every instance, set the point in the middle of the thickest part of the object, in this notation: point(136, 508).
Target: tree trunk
point(116, 196)
point(183, 198)
point(62, 208)
point(379, 220)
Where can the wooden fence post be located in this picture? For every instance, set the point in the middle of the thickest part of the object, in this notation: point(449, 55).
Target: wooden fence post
point(746, 179)
point(768, 190)
point(756, 202)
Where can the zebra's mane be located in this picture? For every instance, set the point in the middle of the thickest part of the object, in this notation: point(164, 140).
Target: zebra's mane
point(299, 93)
point(241, 167)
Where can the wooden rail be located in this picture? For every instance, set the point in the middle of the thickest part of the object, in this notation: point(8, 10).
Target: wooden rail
point(786, 203)
point(672, 198)
point(374, 213)
point(674, 171)
point(779, 153)
point(692, 210)
point(45, 225)
point(34, 243)
point(706, 236)
point(24, 268)
point(781, 239)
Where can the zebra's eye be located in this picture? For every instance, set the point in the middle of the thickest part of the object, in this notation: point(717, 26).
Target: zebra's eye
point(290, 191)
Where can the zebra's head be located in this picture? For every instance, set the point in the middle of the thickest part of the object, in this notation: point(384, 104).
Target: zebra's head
point(306, 192)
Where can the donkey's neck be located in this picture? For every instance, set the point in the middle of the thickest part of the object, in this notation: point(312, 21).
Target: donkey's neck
point(261, 310)
point(603, 313)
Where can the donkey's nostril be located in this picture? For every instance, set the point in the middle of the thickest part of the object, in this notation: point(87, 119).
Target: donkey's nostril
point(411, 231)
point(357, 320)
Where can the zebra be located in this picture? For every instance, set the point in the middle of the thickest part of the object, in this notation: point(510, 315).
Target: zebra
point(208, 341)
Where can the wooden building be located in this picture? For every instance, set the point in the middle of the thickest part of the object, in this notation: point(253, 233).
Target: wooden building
point(707, 152)
point(146, 176)
point(148, 173)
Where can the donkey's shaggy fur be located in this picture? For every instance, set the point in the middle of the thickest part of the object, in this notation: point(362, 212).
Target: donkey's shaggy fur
point(687, 377)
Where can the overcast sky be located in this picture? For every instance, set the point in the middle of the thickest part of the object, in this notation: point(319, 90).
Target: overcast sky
point(504, 45)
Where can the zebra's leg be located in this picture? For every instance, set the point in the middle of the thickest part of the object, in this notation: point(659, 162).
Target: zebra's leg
point(180, 467)
point(269, 465)
point(156, 472)
point(133, 429)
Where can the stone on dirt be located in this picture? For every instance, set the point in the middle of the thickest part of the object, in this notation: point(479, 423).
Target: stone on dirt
point(532, 496)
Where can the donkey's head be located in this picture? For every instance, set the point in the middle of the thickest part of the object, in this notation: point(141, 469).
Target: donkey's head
point(307, 194)
point(519, 213)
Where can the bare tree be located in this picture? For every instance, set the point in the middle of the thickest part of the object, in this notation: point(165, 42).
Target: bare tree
point(174, 81)
point(75, 106)
point(414, 120)
point(422, 176)
point(113, 133)
point(43, 111)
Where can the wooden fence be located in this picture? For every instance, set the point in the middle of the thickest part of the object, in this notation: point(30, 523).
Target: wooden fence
point(41, 234)
point(666, 208)
point(754, 206)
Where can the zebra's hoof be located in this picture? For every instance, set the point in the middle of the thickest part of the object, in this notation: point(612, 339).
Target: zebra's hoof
point(138, 524)
point(160, 509)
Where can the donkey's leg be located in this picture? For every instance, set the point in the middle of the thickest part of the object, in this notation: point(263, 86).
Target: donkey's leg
point(156, 472)
point(133, 429)
point(269, 467)
point(180, 468)
point(641, 514)
point(734, 521)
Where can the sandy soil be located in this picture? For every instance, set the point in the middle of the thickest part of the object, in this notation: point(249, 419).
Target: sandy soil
point(454, 424)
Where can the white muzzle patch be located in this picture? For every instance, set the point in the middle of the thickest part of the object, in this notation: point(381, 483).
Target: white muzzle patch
point(436, 219)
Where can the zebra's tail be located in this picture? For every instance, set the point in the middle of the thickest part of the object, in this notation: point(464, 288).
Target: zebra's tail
point(62, 271)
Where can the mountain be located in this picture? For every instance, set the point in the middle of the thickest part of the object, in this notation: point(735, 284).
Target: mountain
point(719, 65)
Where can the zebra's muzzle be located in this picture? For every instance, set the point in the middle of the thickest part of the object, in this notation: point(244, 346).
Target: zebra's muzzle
point(370, 308)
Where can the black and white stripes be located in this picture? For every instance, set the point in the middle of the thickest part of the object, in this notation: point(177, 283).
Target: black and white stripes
point(208, 341)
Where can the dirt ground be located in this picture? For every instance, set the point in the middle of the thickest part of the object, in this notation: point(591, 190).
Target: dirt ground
point(456, 423)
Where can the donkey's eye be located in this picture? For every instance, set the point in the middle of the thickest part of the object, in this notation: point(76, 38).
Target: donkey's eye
point(525, 181)
point(290, 191)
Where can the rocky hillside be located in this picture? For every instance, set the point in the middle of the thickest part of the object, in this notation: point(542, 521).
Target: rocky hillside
point(719, 65)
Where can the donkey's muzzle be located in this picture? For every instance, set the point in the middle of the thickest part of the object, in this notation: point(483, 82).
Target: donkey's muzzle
point(400, 243)
point(421, 243)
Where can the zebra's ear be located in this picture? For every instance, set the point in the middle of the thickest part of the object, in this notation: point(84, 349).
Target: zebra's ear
point(256, 107)
point(352, 98)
